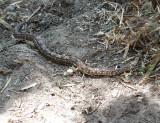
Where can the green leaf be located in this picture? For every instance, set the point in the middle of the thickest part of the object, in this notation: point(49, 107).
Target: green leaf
point(2, 17)
point(142, 70)
point(152, 72)
point(150, 66)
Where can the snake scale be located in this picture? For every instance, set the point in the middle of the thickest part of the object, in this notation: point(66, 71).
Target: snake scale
point(65, 60)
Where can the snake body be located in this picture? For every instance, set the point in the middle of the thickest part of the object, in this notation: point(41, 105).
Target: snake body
point(65, 60)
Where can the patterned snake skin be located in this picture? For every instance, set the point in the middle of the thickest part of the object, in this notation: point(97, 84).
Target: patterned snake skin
point(65, 60)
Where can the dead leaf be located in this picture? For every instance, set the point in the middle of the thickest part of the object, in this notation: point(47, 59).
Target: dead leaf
point(126, 80)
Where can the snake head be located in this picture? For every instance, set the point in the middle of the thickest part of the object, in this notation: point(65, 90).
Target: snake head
point(127, 66)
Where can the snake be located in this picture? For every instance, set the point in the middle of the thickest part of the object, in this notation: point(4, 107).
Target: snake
point(63, 59)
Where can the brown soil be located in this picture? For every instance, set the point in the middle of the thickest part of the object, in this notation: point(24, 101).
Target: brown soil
point(69, 27)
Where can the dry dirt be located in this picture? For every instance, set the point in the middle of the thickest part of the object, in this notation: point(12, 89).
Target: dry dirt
point(69, 27)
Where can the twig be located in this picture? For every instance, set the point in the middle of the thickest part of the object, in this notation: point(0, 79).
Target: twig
point(16, 3)
point(37, 10)
point(8, 81)
point(2, 71)
point(94, 109)
point(129, 86)
point(8, 26)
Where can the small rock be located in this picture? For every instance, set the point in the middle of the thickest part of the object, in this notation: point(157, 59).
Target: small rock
point(115, 93)
point(140, 99)
point(69, 72)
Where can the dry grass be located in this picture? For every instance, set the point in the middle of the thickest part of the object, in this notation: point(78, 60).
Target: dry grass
point(137, 27)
